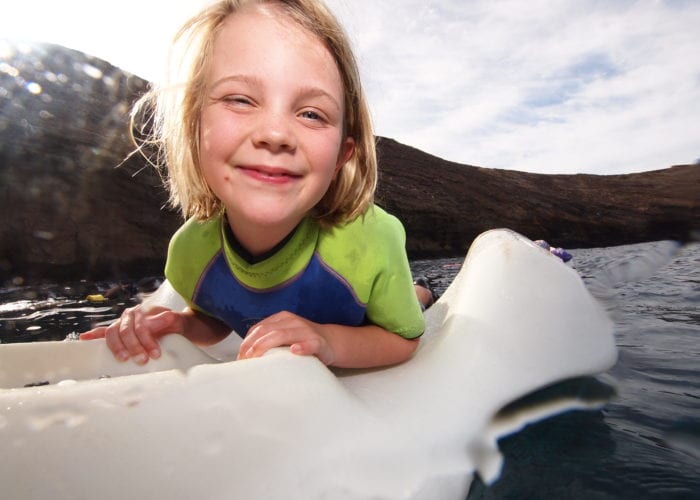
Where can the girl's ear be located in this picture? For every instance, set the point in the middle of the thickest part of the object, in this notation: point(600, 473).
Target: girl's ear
point(346, 151)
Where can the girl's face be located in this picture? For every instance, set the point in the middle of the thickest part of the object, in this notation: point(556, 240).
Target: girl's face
point(271, 124)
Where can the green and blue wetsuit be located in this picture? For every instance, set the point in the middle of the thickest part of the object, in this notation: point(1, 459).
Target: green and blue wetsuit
point(352, 274)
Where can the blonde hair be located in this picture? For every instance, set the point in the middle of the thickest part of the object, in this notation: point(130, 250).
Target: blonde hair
point(169, 117)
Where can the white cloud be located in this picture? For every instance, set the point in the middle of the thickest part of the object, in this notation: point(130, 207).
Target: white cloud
point(551, 86)
point(545, 85)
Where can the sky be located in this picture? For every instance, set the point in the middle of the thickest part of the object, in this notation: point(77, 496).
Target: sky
point(548, 86)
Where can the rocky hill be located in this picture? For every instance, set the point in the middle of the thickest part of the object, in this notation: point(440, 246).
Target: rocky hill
point(74, 208)
point(445, 205)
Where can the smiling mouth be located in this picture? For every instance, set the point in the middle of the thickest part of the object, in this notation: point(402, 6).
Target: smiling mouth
point(273, 175)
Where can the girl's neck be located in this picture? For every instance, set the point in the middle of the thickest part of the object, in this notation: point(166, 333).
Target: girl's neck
point(255, 243)
point(245, 254)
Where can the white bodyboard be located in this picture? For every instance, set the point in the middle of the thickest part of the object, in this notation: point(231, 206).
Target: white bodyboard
point(514, 320)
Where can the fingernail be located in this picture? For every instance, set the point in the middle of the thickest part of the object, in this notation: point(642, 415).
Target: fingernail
point(122, 355)
point(140, 359)
point(155, 353)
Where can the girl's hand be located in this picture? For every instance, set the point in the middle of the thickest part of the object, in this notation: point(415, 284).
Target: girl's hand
point(287, 329)
point(135, 333)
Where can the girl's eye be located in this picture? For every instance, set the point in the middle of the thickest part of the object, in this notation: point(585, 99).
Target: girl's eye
point(311, 115)
point(236, 99)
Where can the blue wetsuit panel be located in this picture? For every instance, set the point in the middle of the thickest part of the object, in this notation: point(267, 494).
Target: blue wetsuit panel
point(313, 294)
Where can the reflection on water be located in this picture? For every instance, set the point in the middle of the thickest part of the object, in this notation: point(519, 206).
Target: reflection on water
point(57, 312)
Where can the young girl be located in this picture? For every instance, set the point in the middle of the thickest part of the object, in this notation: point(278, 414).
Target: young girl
point(270, 153)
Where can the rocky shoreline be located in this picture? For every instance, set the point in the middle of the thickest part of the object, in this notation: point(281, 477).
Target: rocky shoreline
point(70, 214)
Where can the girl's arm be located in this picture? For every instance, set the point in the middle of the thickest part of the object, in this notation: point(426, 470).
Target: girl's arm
point(135, 334)
point(337, 345)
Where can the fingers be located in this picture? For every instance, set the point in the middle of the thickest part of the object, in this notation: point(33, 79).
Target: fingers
point(95, 333)
point(310, 347)
point(286, 329)
point(255, 342)
point(140, 339)
point(134, 335)
point(157, 325)
point(266, 339)
point(114, 342)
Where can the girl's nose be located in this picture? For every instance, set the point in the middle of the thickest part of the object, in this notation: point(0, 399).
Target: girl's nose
point(274, 132)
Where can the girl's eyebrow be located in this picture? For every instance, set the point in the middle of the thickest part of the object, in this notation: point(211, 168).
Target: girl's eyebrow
point(250, 80)
point(311, 91)
point(306, 91)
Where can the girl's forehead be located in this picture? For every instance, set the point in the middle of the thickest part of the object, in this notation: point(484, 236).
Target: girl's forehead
point(253, 16)
point(260, 33)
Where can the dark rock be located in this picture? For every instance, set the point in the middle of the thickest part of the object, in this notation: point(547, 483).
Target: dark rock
point(445, 205)
point(76, 209)
point(73, 207)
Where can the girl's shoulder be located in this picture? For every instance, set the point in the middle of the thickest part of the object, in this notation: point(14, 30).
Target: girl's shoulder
point(376, 233)
point(375, 225)
point(209, 228)
point(196, 237)
point(192, 247)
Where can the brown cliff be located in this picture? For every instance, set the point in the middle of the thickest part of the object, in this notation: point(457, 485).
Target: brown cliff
point(445, 205)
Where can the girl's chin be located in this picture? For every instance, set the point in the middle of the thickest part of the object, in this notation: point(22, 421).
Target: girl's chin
point(268, 217)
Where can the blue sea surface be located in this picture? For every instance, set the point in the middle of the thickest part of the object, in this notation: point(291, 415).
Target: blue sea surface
point(644, 444)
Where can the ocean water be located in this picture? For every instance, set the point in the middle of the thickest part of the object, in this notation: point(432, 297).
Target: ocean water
point(645, 443)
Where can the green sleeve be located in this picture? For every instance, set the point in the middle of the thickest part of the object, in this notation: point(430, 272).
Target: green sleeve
point(191, 249)
point(370, 254)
